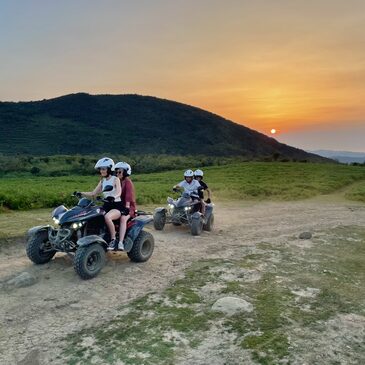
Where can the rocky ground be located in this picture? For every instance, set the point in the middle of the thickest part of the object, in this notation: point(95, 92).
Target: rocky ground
point(251, 291)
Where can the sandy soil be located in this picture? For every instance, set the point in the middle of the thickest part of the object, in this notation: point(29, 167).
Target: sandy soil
point(35, 319)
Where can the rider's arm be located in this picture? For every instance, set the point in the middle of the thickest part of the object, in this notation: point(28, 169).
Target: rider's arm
point(179, 185)
point(118, 188)
point(206, 188)
point(93, 193)
point(129, 195)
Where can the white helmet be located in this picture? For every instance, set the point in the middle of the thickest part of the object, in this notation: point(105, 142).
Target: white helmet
point(125, 166)
point(198, 173)
point(105, 162)
point(189, 173)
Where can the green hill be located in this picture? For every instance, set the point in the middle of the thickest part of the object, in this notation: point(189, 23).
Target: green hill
point(129, 124)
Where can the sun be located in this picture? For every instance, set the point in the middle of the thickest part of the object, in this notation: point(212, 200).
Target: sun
point(273, 131)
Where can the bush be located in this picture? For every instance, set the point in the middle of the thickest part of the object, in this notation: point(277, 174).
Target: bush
point(35, 170)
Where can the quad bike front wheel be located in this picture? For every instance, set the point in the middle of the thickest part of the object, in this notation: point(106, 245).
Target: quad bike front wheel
point(39, 249)
point(89, 260)
point(142, 248)
point(197, 226)
point(159, 220)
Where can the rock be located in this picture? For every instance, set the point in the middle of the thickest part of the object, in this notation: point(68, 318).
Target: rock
point(22, 280)
point(232, 305)
point(305, 236)
point(32, 358)
point(76, 306)
point(49, 299)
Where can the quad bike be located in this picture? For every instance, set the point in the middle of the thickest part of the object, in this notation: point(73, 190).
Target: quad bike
point(81, 232)
point(185, 210)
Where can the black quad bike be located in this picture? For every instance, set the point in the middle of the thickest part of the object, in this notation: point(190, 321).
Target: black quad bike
point(82, 233)
point(184, 210)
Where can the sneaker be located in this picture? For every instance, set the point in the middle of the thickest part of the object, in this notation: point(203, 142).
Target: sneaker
point(120, 246)
point(111, 246)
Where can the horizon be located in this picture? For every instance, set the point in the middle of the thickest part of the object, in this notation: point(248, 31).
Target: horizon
point(295, 68)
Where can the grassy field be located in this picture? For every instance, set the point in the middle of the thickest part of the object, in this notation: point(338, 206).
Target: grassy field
point(357, 192)
point(252, 180)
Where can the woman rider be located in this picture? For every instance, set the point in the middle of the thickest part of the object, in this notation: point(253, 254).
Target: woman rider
point(113, 206)
point(123, 171)
point(198, 175)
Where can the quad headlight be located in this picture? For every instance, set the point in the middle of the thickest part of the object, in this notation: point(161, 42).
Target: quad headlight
point(77, 225)
point(55, 220)
point(187, 209)
point(171, 206)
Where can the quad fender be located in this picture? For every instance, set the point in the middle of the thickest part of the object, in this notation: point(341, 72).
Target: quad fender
point(161, 209)
point(196, 215)
point(139, 223)
point(88, 240)
point(37, 229)
point(208, 210)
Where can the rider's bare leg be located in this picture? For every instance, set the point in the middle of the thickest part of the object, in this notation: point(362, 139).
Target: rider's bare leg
point(202, 207)
point(123, 226)
point(114, 214)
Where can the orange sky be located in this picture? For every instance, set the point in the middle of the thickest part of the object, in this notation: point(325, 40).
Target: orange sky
point(292, 65)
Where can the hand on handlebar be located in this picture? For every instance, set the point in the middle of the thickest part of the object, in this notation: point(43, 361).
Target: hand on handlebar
point(110, 199)
point(175, 190)
point(77, 194)
point(208, 201)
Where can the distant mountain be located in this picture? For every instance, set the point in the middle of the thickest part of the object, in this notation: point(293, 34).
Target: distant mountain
point(129, 124)
point(342, 156)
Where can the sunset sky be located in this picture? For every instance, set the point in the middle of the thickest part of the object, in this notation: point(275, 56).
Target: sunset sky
point(294, 65)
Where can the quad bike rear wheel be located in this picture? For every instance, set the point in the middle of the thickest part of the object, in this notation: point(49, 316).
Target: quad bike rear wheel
point(159, 220)
point(208, 226)
point(142, 248)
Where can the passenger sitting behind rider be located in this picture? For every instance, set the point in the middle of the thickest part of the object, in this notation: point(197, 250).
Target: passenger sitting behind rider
point(189, 185)
point(123, 171)
point(113, 204)
point(198, 176)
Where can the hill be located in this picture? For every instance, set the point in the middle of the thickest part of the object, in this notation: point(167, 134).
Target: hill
point(129, 124)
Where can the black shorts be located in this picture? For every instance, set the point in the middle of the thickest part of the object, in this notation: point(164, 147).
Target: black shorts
point(114, 205)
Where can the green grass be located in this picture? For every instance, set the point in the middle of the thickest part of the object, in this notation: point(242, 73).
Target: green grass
point(64, 165)
point(142, 335)
point(14, 224)
point(252, 180)
point(282, 325)
point(357, 192)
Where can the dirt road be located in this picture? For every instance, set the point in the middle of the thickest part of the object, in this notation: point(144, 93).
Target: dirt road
point(35, 319)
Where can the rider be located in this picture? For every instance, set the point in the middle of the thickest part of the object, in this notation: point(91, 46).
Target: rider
point(189, 184)
point(198, 175)
point(123, 171)
point(113, 204)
